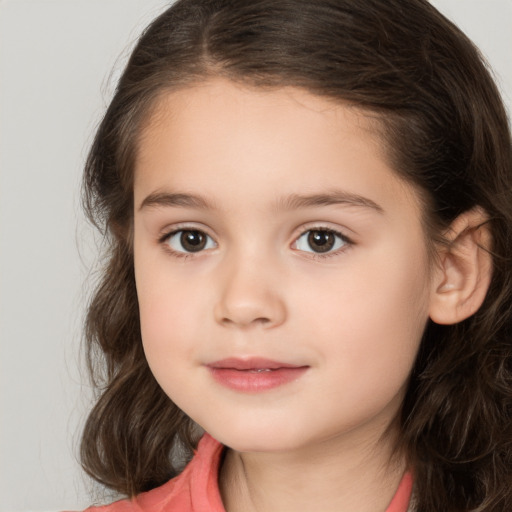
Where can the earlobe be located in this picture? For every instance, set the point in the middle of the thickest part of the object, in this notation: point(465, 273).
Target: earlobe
point(464, 269)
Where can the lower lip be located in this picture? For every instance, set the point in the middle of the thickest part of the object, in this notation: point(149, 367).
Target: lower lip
point(251, 381)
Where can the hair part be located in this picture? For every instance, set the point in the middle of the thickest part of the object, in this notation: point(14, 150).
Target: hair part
point(446, 132)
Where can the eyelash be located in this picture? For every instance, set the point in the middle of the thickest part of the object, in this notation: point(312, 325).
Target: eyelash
point(164, 241)
point(347, 242)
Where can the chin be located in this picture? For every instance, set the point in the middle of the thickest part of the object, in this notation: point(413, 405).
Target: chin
point(254, 440)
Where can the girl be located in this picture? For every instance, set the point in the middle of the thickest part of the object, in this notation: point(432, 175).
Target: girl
point(307, 296)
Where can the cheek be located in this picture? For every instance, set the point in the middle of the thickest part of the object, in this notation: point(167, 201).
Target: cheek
point(372, 316)
point(170, 313)
point(169, 328)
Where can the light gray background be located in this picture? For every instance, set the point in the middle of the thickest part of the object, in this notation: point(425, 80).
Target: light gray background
point(56, 57)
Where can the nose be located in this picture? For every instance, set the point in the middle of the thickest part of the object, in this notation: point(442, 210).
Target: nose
point(249, 296)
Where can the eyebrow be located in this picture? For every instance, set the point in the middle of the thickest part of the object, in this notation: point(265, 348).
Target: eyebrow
point(167, 199)
point(295, 201)
point(291, 202)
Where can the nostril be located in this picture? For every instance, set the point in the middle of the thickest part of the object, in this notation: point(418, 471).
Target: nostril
point(261, 320)
point(254, 321)
point(249, 307)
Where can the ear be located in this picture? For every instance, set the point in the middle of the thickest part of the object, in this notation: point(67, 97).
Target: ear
point(464, 269)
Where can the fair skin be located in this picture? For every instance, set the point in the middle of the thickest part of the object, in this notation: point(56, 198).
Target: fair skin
point(252, 177)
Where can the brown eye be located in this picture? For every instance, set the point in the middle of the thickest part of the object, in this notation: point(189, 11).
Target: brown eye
point(321, 241)
point(190, 240)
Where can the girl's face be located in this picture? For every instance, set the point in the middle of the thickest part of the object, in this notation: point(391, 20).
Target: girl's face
point(281, 266)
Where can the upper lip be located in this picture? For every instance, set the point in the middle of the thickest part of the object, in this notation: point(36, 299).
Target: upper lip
point(252, 363)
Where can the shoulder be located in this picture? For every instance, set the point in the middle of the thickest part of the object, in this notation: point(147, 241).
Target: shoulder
point(195, 489)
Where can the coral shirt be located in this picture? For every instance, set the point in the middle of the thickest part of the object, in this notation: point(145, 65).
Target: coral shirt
point(196, 488)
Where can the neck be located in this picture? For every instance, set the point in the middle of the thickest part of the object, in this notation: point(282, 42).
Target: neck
point(340, 474)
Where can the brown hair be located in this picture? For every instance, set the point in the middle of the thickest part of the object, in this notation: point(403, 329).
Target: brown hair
point(446, 130)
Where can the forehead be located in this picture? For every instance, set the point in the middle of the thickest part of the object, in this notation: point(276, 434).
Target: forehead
point(221, 134)
point(239, 110)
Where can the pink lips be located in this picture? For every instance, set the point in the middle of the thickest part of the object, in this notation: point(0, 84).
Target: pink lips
point(254, 374)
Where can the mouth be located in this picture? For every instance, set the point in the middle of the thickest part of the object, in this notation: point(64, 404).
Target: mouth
point(254, 374)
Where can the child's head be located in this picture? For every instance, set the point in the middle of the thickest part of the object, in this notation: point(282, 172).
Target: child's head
point(336, 170)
